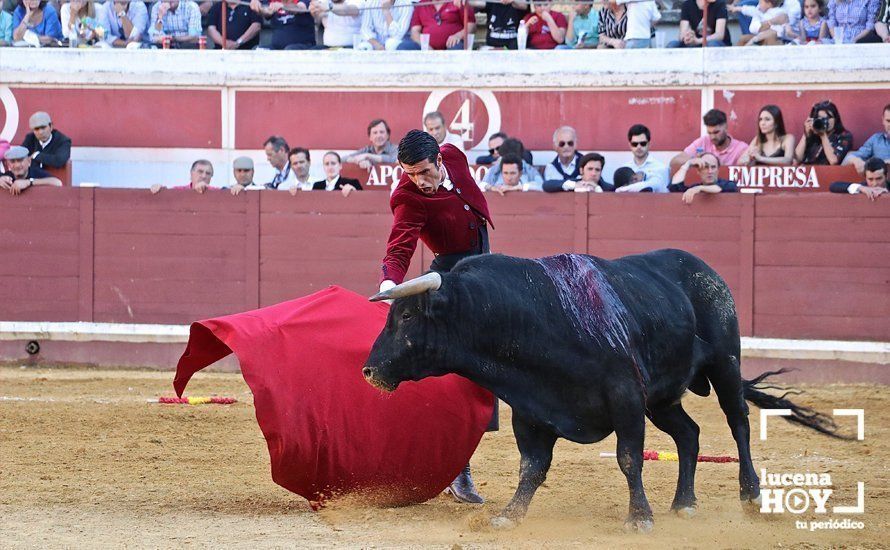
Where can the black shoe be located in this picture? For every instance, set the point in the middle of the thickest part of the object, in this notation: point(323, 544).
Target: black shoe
point(463, 489)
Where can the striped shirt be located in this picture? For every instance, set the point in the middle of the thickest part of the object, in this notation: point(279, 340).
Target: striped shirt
point(611, 27)
point(185, 20)
point(883, 13)
point(853, 16)
point(374, 23)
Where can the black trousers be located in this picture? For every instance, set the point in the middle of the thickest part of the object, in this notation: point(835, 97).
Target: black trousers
point(445, 263)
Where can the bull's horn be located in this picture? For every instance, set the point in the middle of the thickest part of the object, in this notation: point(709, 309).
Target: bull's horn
point(424, 283)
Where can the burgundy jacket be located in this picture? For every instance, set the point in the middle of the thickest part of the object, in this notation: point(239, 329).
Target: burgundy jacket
point(447, 222)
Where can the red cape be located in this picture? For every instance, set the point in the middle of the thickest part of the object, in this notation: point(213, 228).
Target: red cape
point(328, 431)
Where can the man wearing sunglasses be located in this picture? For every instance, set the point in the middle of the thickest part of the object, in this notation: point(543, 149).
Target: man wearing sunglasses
point(565, 166)
point(657, 173)
point(48, 147)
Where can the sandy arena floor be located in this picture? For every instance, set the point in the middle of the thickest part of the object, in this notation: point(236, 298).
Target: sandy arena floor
point(85, 461)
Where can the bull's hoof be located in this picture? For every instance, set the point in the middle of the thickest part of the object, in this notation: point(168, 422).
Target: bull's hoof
point(502, 524)
point(642, 526)
point(686, 512)
point(752, 505)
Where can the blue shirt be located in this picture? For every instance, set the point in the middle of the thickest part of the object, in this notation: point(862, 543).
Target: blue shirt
point(5, 26)
point(877, 145)
point(136, 13)
point(50, 26)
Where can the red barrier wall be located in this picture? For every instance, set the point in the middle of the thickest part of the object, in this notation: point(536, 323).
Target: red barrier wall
point(799, 266)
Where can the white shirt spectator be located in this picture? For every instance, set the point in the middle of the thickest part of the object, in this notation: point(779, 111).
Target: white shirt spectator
point(455, 140)
point(136, 13)
point(339, 29)
point(657, 175)
point(374, 25)
point(641, 17)
point(758, 17)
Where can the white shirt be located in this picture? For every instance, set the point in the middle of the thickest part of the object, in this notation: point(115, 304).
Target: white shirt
point(303, 185)
point(286, 176)
point(758, 17)
point(455, 140)
point(339, 29)
point(330, 184)
point(657, 175)
point(641, 17)
point(43, 144)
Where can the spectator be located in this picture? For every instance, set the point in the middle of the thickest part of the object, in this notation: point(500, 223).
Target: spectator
point(512, 177)
point(300, 165)
point(243, 26)
point(767, 20)
point(444, 23)
point(199, 177)
point(380, 151)
point(717, 141)
point(565, 166)
point(82, 23)
point(546, 28)
point(48, 147)
point(434, 124)
point(641, 19)
point(178, 19)
point(293, 27)
point(242, 168)
point(875, 181)
point(590, 178)
point(812, 27)
point(825, 140)
point(852, 20)
point(625, 177)
point(494, 143)
point(530, 174)
point(613, 25)
point(276, 153)
point(877, 146)
point(690, 25)
point(5, 29)
point(708, 164)
point(583, 30)
point(125, 22)
point(332, 180)
point(772, 145)
point(20, 174)
point(385, 23)
point(656, 173)
point(882, 21)
point(341, 20)
point(503, 19)
point(39, 17)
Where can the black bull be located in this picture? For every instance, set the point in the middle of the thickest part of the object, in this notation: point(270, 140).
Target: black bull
point(581, 347)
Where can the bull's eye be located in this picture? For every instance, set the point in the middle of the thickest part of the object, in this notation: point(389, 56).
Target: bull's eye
point(406, 315)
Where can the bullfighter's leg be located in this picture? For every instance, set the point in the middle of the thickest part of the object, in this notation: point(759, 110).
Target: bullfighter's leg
point(727, 381)
point(630, 429)
point(674, 421)
point(536, 452)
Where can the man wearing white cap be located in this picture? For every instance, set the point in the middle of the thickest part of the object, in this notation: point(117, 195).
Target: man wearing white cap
point(243, 171)
point(46, 145)
point(20, 174)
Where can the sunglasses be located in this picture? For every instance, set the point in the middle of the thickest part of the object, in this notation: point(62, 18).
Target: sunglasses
point(438, 18)
point(492, 151)
point(639, 143)
point(564, 143)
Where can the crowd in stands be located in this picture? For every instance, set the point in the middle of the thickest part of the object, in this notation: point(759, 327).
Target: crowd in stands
point(433, 24)
point(824, 141)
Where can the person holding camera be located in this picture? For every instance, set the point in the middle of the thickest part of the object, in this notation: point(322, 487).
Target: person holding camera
point(825, 140)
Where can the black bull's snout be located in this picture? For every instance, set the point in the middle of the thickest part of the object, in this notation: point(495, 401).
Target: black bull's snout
point(375, 377)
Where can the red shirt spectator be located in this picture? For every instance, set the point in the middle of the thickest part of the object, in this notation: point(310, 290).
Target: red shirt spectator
point(442, 22)
point(539, 36)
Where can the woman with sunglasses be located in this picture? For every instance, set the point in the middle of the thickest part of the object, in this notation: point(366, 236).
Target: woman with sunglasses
point(825, 140)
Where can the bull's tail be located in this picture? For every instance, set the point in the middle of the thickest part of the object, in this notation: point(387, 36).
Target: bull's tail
point(804, 416)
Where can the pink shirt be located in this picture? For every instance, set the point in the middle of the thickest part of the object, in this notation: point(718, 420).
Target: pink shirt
point(727, 156)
